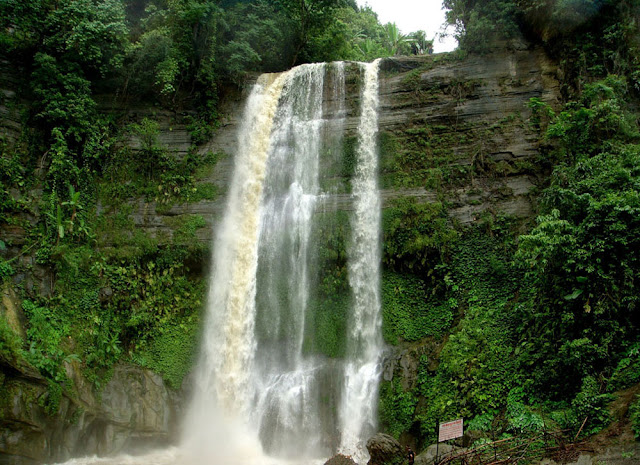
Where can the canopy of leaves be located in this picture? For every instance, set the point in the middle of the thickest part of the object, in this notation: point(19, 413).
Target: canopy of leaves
point(583, 254)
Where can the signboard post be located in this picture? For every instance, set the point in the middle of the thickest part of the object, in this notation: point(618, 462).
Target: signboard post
point(449, 430)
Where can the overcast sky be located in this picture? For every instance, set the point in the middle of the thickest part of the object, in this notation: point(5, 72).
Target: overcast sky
point(412, 15)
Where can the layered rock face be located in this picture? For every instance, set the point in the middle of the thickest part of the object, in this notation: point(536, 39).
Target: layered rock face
point(469, 113)
point(134, 411)
point(472, 118)
point(450, 130)
point(458, 127)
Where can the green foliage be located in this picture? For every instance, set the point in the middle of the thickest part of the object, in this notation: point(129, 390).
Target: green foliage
point(627, 372)
point(520, 417)
point(396, 407)
point(151, 172)
point(200, 130)
point(396, 41)
point(595, 37)
point(91, 33)
point(177, 45)
point(365, 36)
point(10, 342)
point(6, 270)
point(64, 97)
point(415, 235)
point(477, 375)
point(186, 234)
point(51, 401)
point(478, 23)
point(595, 122)
point(258, 36)
point(45, 335)
point(421, 155)
point(582, 255)
point(151, 155)
point(589, 403)
point(541, 114)
point(151, 296)
point(172, 350)
point(477, 362)
point(420, 45)
point(634, 415)
point(483, 422)
point(308, 19)
point(409, 313)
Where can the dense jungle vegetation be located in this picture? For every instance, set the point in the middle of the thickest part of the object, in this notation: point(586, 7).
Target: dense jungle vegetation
point(534, 325)
point(542, 319)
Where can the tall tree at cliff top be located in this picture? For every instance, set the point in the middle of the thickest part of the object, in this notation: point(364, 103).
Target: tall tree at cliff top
point(310, 17)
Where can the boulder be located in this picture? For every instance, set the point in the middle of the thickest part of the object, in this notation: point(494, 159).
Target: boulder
point(428, 456)
point(340, 460)
point(385, 450)
point(134, 411)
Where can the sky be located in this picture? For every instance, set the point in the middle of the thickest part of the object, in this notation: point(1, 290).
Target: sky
point(412, 15)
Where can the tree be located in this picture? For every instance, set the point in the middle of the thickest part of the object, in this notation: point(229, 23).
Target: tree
point(90, 33)
point(396, 41)
point(309, 17)
point(420, 45)
point(255, 37)
point(582, 257)
point(477, 23)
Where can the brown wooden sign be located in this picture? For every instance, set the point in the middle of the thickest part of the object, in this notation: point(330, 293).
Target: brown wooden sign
point(450, 430)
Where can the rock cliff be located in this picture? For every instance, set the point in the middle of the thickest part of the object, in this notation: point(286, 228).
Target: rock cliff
point(474, 111)
point(451, 130)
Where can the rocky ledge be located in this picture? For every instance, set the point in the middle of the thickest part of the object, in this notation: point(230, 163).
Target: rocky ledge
point(133, 411)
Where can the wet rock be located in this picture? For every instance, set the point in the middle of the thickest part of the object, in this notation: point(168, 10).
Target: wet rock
point(385, 450)
point(11, 308)
point(340, 460)
point(135, 408)
point(428, 456)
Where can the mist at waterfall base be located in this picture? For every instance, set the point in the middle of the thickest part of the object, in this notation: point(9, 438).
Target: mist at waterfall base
point(260, 397)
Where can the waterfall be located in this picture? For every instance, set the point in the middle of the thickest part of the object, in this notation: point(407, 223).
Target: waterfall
point(216, 427)
point(362, 367)
point(287, 383)
point(254, 372)
point(263, 393)
point(254, 378)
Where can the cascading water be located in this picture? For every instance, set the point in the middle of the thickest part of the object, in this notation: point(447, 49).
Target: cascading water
point(286, 382)
point(254, 368)
point(261, 395)
point(216, 427)
point(362, 367)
